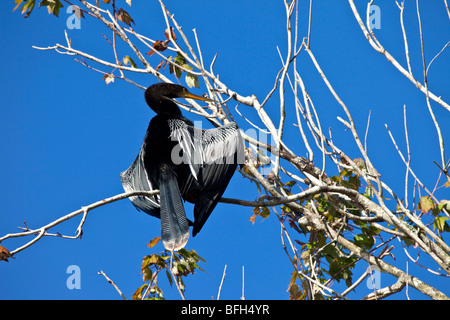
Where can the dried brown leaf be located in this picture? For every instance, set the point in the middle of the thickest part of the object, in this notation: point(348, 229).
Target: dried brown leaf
point(4, 254)
point(108, 78)
point(159, 46)
point(124, 17)
point(154, 242)
point(166, 33)
point(160, 65)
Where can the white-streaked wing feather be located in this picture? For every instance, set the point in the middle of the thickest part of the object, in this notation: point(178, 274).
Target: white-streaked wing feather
point(136, 178)
point(205, 146)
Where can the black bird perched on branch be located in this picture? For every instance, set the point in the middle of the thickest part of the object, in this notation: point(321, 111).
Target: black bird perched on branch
point(182, 162)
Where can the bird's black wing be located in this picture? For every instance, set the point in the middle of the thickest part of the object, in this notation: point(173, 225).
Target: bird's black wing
point(212, 156)
point(136, 178)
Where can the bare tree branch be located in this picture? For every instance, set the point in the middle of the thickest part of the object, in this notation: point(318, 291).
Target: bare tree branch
point(42, 231)
point(375, 44)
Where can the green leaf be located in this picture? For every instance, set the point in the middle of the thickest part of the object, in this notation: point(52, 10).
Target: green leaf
point(147, 274)
point(187, 67)
point(153, 259)
point(157, 292)
point(196, 255)
point(290, 184)
point(355, 182)
point(169, 277)
point(18, 2)
point(192, 81)
point(426, 204)
point(26, 8)
point(441, 224)
point(408, 241)
point(364, 241)
point(174, 69)
point(441, 205)
point(180, 60)
point(137, 295)
point(128, 60)
point(265, 212)
point(53, 6)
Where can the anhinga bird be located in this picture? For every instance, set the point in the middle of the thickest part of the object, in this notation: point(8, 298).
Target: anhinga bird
point(182, 162)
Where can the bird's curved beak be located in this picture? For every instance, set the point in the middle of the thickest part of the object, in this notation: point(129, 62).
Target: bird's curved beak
point(188, 95)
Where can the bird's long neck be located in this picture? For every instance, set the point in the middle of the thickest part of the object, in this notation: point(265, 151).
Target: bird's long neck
point(166, 107)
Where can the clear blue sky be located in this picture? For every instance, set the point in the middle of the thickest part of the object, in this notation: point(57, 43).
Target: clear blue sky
point(66, 136)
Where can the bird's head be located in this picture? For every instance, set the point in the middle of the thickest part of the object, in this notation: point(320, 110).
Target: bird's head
point(159, 97)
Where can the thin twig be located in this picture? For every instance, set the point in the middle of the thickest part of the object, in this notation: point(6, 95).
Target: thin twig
point(367, 131)
point(175, 278)
point(405, 40)
point(221, 282)
point(309, 24)
point(243, 284)
point(425, 80)
point(446, 7)
point(408, 163)
point(113, 284)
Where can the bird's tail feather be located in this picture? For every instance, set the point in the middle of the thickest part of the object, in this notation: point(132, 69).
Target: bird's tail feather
point(202, 210)
point(174, 225)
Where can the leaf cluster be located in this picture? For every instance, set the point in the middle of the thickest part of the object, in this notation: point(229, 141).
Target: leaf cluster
point(27, 6)
point(319, 256)
point(176, 266)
